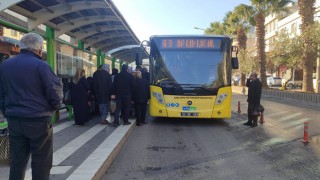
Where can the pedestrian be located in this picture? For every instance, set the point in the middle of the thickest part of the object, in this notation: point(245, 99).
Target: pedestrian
point(254, 95)
point(92, 103)
point(80, 91)
point(123, 85)
point(145, 74)
point(103, 85)
point(138, 68)
point(141, 97)
point(114, 73)
point(30, 94)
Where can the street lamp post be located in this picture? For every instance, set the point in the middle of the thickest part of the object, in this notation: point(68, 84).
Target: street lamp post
point(199, 28)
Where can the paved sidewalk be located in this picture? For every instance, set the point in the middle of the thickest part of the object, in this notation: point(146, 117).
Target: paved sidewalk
point(84, 152)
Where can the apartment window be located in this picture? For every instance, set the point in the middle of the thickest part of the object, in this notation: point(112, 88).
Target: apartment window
point(274, 25)
point(14, 33)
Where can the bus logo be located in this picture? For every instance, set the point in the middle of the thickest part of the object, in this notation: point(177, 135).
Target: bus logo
point(189, 108)
point(185, 108)
point(173, 104)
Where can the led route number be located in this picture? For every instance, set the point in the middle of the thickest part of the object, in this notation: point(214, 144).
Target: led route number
point(196, 43)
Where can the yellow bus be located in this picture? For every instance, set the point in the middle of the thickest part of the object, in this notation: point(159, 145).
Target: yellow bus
point(190, 76)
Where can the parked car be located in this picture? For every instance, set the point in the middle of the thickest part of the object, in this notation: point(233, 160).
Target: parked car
point(296, 84)
point(274, 81)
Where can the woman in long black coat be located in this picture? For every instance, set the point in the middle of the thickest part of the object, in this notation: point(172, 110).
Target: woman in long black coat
point(80, 90)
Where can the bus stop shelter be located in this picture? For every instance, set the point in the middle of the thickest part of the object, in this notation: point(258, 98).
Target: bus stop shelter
point(92, 25)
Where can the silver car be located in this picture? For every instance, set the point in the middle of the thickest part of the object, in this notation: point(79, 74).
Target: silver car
point(274, 81)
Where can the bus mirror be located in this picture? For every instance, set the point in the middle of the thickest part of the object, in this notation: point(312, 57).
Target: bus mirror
point(138, 59)
point(235, 63)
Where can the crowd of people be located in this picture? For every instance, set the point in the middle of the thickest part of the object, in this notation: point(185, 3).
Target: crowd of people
point(128, 91)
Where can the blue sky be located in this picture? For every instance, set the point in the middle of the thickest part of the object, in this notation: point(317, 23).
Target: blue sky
point(161, 17)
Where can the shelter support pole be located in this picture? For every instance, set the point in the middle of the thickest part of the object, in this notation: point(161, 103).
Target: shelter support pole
point(51, 58)
point(98, 58)
point(81, 45)
point(103, 56)
point(113, 65)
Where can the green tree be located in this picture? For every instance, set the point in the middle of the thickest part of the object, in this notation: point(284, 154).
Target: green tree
point(261, 9)
point(306, 11)
point(289, 55)
point(217, 28)
point(250, 61)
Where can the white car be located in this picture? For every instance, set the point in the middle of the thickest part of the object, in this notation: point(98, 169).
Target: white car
point(274, 81)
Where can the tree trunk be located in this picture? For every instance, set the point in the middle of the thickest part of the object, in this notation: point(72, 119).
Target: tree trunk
point(306, 11)
point(242, 42)
point(261, 54)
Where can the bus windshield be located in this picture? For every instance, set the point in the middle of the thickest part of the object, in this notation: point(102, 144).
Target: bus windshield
point(189, 67)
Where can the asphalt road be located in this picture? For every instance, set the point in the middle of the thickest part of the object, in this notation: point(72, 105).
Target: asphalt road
point(224, 149)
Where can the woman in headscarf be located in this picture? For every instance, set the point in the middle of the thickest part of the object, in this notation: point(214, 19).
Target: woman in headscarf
point(80, 90)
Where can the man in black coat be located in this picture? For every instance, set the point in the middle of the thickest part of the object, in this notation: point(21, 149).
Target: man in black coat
point(254, 95)
point(102, 86)
point(123, 87)
point(141, 97)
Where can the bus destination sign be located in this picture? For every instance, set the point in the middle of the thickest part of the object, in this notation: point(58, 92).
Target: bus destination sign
point(190, 43)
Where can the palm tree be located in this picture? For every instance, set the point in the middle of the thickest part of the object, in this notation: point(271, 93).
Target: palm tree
point(261, 9)
point(238, 23)
point(216, 28)
point(306, 11)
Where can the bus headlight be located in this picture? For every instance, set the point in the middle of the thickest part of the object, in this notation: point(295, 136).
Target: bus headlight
point(159, 97)
point(221, 98)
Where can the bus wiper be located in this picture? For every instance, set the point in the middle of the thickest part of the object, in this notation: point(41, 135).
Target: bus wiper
point(199, 86)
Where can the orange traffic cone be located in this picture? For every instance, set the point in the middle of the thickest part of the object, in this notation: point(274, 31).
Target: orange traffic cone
point(239, 111)
point(261, 118)
point(306, 133)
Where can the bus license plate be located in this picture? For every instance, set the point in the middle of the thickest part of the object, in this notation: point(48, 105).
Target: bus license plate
point(189, 114)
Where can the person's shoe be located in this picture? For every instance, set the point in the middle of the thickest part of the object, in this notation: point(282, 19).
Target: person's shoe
point(247, 124)
point(138, 124)
point(108, 118)
point(115, 125)
point(144, 123)
point(126, 123)
point(104, 122)
point(253, 125)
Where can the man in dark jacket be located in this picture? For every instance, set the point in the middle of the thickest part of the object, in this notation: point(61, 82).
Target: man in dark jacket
point(145, 74)
point(254, 95)
point(141, 97)
point(103, 85)
point(30, 94)
point(123, 85)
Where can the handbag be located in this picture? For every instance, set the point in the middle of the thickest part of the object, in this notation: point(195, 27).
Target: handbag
point(257, 110)
point(113, 106)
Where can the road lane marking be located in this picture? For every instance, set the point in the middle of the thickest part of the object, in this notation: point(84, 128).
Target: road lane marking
point(102, 155)
point(62, 126)
point(274, 114)
point(289, 117)
point(63, 153)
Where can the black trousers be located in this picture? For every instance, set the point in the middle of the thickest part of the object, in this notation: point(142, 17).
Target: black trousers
point(30, 136)
point(252, 118)
point(141, 109)
point(123, 105)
